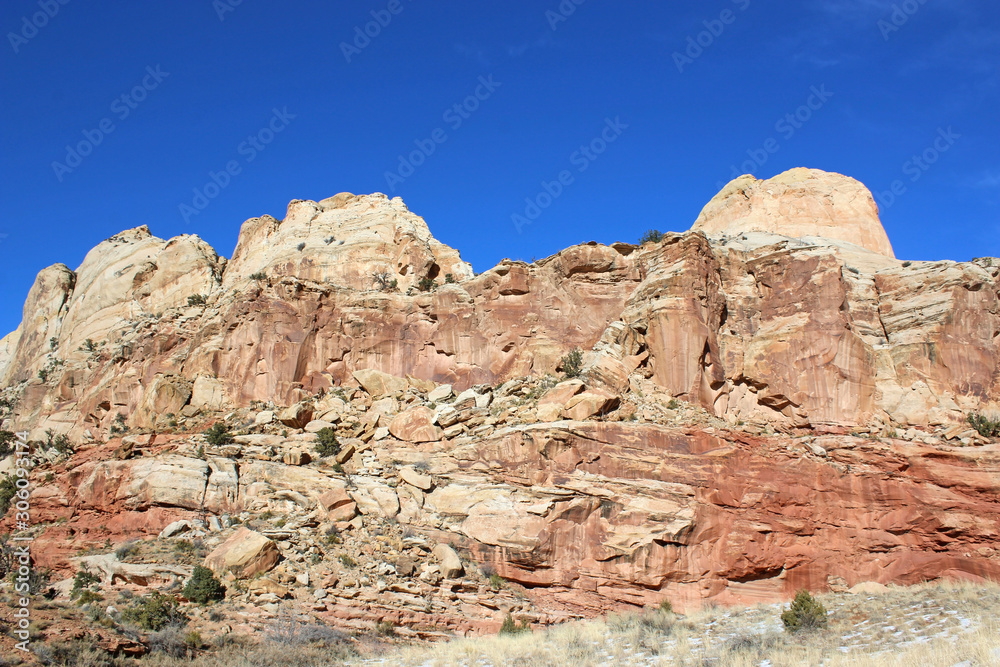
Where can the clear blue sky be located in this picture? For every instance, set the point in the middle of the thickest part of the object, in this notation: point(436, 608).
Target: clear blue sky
point(690, 123)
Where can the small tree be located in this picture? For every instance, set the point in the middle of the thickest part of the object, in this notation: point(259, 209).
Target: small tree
point(651, 236)
point(6, 437)
point(511, 627)
point(426, 284)
point(84, 580)
point(572, 363)
point(987, 427)
point(218, 435)
point(805, 613)
point(7, 492)
point(154, 612)
point(203, 587)
point(384, 281)
point(326, 442)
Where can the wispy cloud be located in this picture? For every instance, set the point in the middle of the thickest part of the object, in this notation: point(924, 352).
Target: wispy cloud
point(989, 180)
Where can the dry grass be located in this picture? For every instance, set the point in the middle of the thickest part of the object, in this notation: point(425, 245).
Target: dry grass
point(936, 624)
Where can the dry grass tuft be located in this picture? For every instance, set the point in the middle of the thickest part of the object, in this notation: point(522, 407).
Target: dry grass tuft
point(945, 624)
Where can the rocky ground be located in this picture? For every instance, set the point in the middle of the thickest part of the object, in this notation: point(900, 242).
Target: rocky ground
point(437, 515)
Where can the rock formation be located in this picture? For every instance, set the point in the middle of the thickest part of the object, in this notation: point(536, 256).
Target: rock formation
point(768, 401)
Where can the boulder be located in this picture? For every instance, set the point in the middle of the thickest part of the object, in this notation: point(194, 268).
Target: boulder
point(317, 425)
point(264, 417)
point(296, 416)
point(561, 393)
point(590, 403)
point(379, 384)
point(175, 528)
point(440, 393)
point(415, 425)
point(414, 478)
point(550, 412)
point(450, 563)
point(245, 553)
point(297, 457)
point(421, 385)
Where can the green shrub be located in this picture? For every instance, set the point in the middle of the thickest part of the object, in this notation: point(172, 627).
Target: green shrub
point(58, 442)
point(260, 276)
point(326, 442)
point(218, 435)
point(88, 596)
point(651, 236)
point(385, 629)
point(126, 550)
point(347, 561)
point(497, 582)
point(203, 587)
point(6, 437)
point(666, 607)
point(805, 613)
point(449, 279)
point(426, 284)
point(196, 300)
point(84, 582)
point(511, 627)
point(154, 612)
point(572, 363)
point(7, 492)
point(987, 427)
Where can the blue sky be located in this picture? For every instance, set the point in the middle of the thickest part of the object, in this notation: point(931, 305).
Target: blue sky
point(885, 84)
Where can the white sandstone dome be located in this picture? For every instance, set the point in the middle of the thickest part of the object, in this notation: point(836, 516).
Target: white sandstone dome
point(798, 203)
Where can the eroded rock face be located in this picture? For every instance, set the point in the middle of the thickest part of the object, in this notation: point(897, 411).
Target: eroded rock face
point(798, 203)
point(737, 315)
point(783, 309)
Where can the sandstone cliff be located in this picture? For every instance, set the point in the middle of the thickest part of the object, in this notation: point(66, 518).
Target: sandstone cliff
point(768, 401)
point(766, 310)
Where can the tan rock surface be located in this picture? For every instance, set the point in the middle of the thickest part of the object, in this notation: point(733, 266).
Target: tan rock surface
point(415, 425)
point(798, 203)
point(245, 553)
